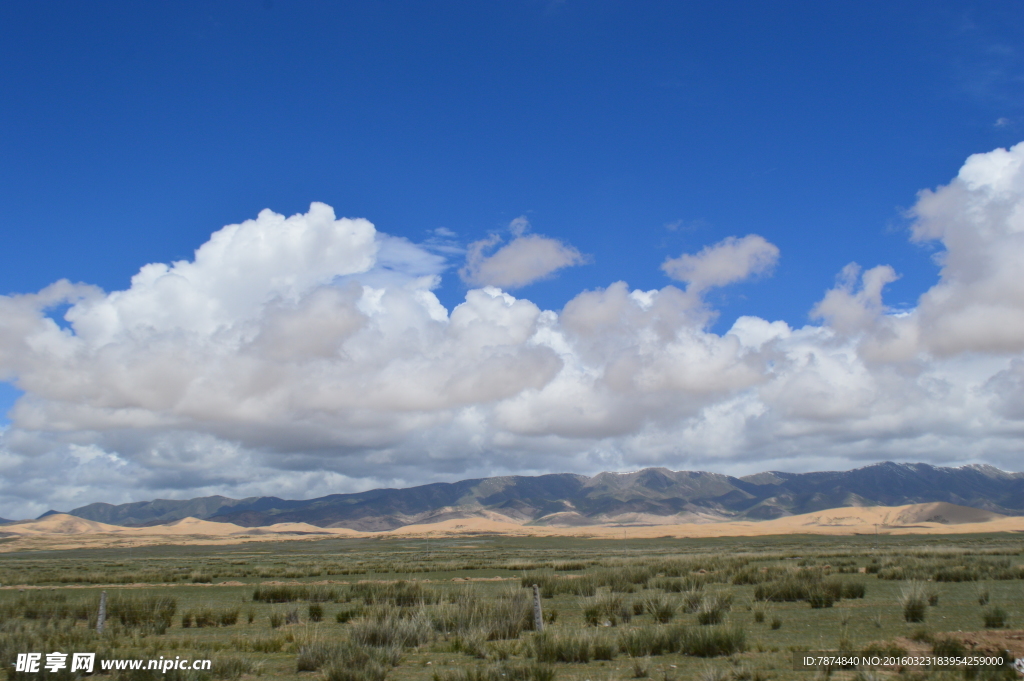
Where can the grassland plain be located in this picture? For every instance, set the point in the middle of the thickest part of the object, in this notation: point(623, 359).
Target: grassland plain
point(459, 609)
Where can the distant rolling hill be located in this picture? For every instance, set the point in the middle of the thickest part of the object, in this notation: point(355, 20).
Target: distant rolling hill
point(646, 497)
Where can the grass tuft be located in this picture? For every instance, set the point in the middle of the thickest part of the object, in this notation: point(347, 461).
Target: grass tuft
point(385, 626)
point(994, 617)
point(713, 608)
point(913, 599)
point(501, 672)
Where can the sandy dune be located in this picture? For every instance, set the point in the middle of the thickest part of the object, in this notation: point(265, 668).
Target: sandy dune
point(59, 523)
point(932, 518)
point(301, 528)
point(479, 526)
point(188, 526)
point(66, 524)
point(64, 531)
point(942, 512)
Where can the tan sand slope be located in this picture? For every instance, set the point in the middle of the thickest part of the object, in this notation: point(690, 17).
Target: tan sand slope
point(209, 528)
point(64, 531)
point(573, 519)
point(942, 512)
point(938, 513)
point(190, 526)
point(301, 528)
point(59, 523)
point(837, 521)
point(456, 526)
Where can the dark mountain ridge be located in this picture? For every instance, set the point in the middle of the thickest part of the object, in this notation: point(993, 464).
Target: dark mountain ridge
point(649, 496)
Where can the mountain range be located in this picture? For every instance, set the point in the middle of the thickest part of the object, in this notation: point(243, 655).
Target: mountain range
point(647, 497)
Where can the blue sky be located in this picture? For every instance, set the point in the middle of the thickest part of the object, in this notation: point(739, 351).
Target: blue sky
point(134, 130)
point(631, 132)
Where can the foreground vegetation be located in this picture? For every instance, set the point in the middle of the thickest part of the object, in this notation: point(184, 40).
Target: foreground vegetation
point(462, 609)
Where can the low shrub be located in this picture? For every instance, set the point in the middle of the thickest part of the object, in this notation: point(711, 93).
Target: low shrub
point(646, 641)
point(205, 618)
point(625, 579)
point(352, 662)
point(604, 649)
point(713, 641)
point(551, 585)
point(503, 650)
point(385, 626)
point(913, 599)
point(233, 666)
point(853, 589)
point(692, 601)
point(200, 577)
point(785, 590)
point(47, 605)
point(714, 674)
point(258, 644)
point(921, 634)
point(472, 643)
point(948, 647)
point(557, 646)
point(347, 614)
point(994, 617)
point(678, 584)
point(660, 607)
point(606, 609)
point(340, 672)
point(321, 594)
point(955, 574)
point(314, 655)
point(713, 608)
point(280, 593)
point(505, 671)
point(709, 641)
point(820, 597)
point(399, 594)
point(20, 636)
point(501, 618)
point(153, 613)
point(227, 618)
point(752, 574)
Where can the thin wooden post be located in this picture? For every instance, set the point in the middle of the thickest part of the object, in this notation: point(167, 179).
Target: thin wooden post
point(101, 618)
point(538, 617)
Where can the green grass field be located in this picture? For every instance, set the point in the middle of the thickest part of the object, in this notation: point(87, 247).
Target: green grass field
point(461, 609)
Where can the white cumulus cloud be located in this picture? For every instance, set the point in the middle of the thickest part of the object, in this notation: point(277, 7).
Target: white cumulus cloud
point(306, 355)
point(524, 260)
point(978, 303)
point(729, 261)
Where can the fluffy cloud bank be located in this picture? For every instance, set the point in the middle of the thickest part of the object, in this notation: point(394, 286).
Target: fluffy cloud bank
point(307, 355)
